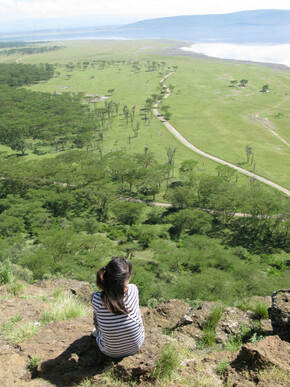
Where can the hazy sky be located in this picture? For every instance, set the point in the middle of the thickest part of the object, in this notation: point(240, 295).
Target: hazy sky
point(139, 9)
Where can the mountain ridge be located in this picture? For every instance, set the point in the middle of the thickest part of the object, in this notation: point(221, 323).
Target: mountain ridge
point(258, 26)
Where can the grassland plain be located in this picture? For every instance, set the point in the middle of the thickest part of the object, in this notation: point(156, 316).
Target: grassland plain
point(213, 116)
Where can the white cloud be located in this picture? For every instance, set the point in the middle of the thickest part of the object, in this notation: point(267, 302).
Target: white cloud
point(140, 8)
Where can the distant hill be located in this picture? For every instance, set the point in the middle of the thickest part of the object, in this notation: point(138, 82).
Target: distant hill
point(260, 27)
point(263, 26)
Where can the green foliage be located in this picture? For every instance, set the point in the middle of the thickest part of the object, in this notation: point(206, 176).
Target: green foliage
point(127, 212)
point(214, 317)
point(190, 222)
point(15, 287)
point(209, 336)
point(167, 363)
point(222, 367)
point(245, 335)
point(260, 310)
point(32, 364)
point(17, 74)
point(60, 209)
point(5, 272)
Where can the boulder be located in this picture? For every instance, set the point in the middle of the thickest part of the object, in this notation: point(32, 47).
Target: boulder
point(231, 323)
point(81, 289)
point(279, 314)
point(140, 366)
point(166, 315)
point(270, 352)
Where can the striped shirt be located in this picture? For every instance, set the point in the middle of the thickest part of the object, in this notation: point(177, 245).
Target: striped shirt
point(119, 335)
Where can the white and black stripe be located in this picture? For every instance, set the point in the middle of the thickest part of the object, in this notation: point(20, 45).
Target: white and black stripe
point(119, 335)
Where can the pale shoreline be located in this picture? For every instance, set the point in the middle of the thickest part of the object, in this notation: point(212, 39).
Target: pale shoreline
point(274, 54)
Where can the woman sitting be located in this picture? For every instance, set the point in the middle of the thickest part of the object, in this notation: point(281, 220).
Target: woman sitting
point(119, 328)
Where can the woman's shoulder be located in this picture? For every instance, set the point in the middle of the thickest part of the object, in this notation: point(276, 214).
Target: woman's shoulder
point(96, 296)
point(133, 287)
point(133, 291)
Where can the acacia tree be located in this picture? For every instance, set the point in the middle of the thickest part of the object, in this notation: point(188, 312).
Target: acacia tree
point(249, 152)
point(233, 82)
point(243, 82)
point(171, 157)
point(265, 89)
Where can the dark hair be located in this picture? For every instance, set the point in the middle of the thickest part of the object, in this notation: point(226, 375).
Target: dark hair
point(111, 279)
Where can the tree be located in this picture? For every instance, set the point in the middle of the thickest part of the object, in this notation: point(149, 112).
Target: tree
point(226, 173)
point(171, 157)
point(233, 82)
point(20, 145)
point(190, 221)
point(128, 212)
point(249, 152)
point(265, 89)
point(188, 165)
point(243, 82)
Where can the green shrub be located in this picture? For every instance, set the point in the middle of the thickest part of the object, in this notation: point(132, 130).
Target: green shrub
point(32, 364)
point(222, 367)
point(22, 273)
point(214, 317)
point(260, 309)
point(5, 272)
point(15, 287)
point(167, 363)
point(245, 335)
point(208, 338)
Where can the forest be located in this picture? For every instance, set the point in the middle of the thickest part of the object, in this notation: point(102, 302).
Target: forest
point(71, 207)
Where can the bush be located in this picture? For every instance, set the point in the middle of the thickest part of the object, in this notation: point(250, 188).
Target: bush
point(15, 287)
point(214, 317)
point(222, 367)
point(22, 273)
point(245, 335)
point(5, 272)
point(260, 310)
point(32, 364)
point(208, 338)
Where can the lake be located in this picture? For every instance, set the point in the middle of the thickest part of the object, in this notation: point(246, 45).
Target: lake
point(279, 53)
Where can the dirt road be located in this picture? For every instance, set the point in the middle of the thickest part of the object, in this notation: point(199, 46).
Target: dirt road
point(207, 155)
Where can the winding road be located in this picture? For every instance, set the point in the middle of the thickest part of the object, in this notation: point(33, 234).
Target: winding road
point(265, 123)
point(204, 154)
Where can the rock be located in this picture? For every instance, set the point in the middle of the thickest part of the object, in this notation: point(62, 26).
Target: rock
point(271, 351)
point(231, 323)
point(279, 313)
point(254, 363)
point(191, 331)
point(81, 289)
point(140, 366)
point(167, 314)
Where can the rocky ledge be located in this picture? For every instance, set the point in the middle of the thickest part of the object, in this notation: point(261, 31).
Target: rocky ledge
point(62, 353)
